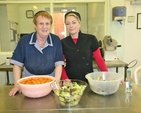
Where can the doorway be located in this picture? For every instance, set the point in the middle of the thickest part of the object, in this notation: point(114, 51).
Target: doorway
point(59, 28)
point(59, 25)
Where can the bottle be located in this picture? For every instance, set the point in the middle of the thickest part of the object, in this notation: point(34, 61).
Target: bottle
point(7, 61)
point(128, 96)
point(128, 82)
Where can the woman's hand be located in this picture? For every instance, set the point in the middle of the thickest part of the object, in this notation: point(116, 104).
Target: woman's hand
point(122, 82)
point(14, 90)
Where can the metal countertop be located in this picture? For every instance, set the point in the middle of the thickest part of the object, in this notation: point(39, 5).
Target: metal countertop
point(89, 103)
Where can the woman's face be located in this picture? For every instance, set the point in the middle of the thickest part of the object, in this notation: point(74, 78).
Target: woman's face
point(72, 25)
point(43, 26)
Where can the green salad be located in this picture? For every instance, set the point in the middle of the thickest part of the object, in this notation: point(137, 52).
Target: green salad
point(70, 93)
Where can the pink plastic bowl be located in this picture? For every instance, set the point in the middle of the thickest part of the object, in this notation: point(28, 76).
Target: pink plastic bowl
point(36, 91)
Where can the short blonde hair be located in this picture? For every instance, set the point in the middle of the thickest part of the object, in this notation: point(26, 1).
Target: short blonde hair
point(72, 14)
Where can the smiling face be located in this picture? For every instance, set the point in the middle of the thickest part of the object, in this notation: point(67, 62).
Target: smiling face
point(42, 26)
point(42, 23)
point(72, 25)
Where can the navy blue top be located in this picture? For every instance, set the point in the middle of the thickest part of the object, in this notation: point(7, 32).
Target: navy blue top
point(36, 60)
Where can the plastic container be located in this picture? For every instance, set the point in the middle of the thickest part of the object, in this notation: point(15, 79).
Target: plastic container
point(104, 83)
point(36, 90)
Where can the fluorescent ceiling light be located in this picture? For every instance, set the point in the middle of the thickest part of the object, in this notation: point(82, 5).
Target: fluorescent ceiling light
point(35, 7)
point(64, 10)
point(73, 10)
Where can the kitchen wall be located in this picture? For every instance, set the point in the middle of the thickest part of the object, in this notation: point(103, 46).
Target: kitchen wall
point(26, 24)
point(4, 32)
point(132, 36)
point(13, 16)
point(95, 22)
point(116, 30)
point(126, 33)
point(5, 18)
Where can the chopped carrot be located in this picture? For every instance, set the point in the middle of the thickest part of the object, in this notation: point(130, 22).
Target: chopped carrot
point(38, 80)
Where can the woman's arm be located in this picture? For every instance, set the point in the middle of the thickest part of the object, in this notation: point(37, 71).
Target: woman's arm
point(58, 71)
point(17, 75)
point(64, 74)
point(99, 60)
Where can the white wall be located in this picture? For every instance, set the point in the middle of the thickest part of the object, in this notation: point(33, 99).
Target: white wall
point(13, 15)
point(4, 29)
point(116, 30)
point(126, 34)
point(8, 13)
point(96, 19)
point(132, 36)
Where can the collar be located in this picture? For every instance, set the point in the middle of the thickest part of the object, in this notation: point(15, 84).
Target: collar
point(34, 41)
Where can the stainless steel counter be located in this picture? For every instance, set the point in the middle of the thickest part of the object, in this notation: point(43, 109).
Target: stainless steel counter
point(89, 103)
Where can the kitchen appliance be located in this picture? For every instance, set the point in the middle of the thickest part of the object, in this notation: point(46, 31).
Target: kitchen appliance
point(119, 13)
point(110, 45)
